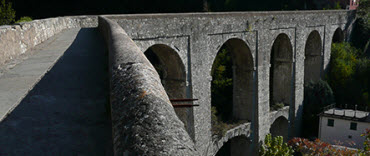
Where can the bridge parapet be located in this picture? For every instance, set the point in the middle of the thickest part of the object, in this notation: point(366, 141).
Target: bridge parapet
point(143, 119)
point(17, 39)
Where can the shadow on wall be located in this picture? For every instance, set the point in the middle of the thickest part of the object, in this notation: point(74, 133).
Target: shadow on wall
point(280, 127)
point(281, 73)
point(234, 147)
point(65, 113)
point(171, 71)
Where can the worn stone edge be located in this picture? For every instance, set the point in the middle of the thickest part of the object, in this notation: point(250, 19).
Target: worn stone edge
point(143, 119)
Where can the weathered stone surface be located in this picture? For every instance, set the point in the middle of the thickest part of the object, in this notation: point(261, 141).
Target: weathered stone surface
point(198, 37)
point(62, 90)
point(143, 119)
point(142, 114)
point(17, 39)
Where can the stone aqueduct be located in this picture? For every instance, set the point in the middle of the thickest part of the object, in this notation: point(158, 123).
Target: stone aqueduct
point(295, 45)
point(274, 54)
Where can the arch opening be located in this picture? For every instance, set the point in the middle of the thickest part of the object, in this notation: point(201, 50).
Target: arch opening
point(338, 36)
point(232, 81)
point(172, 73)
point(237, 146)
point(280, 127)
point(313, 63)
point(232, 91)
point(281, 73)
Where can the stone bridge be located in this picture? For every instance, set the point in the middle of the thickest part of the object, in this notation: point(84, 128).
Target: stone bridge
point(273, 54)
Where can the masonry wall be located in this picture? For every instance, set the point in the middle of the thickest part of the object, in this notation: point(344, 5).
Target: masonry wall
point(16, 39)
point(143, 119)
point(197, 38)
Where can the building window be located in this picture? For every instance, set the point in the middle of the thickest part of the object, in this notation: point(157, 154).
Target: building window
point(353, 126)
point(331, 122)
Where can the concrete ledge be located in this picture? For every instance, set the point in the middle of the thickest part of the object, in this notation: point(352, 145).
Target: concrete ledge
point(278, 113)
point(17, 39)
point(143, 119)
point(232, 14)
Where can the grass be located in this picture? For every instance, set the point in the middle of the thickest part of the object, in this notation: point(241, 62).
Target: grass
point(24, 19)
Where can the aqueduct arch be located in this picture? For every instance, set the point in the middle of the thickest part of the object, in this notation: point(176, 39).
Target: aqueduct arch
point(338, 36)
point(313, 62)
point(173, 78)
point(281, 71)
point(235, 147)
point(242, 78)
point(280, 127)
point(241, 105)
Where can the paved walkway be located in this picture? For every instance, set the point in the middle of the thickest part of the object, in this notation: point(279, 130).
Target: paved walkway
point(65, 111)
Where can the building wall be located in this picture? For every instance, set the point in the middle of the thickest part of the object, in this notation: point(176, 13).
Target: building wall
point(341, 132)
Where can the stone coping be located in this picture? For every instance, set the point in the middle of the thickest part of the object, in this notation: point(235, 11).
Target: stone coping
point(210, 14)
point(143, 119)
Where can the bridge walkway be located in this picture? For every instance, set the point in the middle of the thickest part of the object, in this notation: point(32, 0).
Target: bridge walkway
point(59, 95)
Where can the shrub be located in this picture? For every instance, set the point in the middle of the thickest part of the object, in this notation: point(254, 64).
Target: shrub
point(367, 141)
point(317, 147)
point(7, 14)
point(274, 146)
point(24, 19)
point(277, 106)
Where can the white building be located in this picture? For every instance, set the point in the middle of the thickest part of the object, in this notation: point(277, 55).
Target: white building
point(343, 127)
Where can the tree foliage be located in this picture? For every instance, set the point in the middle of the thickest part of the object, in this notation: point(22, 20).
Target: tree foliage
point(222, 85)
point(361, 30)
point(348, 75)
point(363, 12)
point(7, 14)
point(274, 146)
point(317, 95)
point(343, 63)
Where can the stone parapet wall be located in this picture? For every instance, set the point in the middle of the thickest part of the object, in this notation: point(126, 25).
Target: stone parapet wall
point(143, 119)
point(17, 39)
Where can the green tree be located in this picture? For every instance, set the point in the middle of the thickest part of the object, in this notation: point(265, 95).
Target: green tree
point(342, 64)
point(317, 95)
point(7, 14)
point(222, 85)
point(348, 75)
point(274, 146)
point(363, 12)
point(360, 34)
